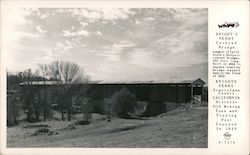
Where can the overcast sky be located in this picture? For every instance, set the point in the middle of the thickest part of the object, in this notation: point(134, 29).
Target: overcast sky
point(112, 44)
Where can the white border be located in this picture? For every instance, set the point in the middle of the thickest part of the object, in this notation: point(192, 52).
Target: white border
point(218, 12)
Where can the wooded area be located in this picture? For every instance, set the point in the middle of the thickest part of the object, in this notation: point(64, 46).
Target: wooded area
point(64, 87)
point(23, 95)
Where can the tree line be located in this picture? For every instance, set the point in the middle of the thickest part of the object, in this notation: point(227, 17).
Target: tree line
point(30, 92)
point(64, 75)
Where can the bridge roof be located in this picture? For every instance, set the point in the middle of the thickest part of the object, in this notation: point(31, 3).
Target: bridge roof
point(197, 81)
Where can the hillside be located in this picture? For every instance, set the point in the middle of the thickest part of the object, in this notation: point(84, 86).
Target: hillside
point(176, 129)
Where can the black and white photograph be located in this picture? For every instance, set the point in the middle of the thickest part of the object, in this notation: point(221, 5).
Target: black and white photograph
point(98, 77)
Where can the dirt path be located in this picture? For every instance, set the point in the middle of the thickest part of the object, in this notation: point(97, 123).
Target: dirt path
point(177, 129)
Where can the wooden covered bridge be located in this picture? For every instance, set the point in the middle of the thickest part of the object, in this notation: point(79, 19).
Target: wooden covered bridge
point(176, 91)
point(156, 93)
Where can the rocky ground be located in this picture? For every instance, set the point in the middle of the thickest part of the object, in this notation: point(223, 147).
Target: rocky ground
point(180, 128)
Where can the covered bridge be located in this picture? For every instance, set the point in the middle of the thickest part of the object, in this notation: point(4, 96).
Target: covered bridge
point(175, 91)
point(161, 96)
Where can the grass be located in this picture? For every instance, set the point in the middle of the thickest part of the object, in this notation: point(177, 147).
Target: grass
point(176, 129)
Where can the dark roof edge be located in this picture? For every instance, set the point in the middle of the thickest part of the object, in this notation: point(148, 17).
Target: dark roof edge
point(195, 81)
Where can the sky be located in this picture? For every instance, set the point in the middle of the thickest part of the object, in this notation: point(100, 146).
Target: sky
point(112, 44)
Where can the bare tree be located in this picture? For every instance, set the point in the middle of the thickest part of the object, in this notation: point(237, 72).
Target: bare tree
point(44, 72)
point(27, 92)
point(67, 75)
point(13, 98)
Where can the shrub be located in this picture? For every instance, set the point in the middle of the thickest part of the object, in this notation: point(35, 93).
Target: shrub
point(43, 130)
point(82, 122)
point(121, 104)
